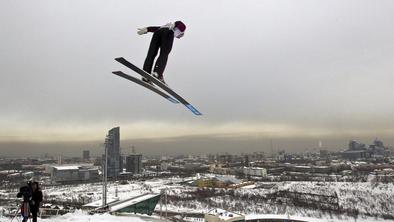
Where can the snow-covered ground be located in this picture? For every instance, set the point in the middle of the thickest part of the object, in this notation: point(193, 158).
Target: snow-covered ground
point(80, 216)
point(309, 219)
point(92, 192)
point(376, 199)
point(372, 198)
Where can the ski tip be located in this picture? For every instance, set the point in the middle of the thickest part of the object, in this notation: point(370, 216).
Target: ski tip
point(194, 110)
point(172, 100)
point(119, 58)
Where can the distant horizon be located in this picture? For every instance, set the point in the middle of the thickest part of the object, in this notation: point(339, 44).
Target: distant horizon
point(183, 145)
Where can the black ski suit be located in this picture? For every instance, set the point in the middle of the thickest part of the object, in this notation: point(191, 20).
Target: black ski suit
point(162, 39)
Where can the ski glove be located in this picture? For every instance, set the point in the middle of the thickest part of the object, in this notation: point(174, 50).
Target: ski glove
point(142, 31)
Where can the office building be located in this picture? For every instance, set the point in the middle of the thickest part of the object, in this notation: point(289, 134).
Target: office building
point(114, 160)
point(86, 155)
point(134, 163)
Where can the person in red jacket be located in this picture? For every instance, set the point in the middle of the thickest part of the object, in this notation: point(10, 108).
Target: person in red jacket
point(163, 37)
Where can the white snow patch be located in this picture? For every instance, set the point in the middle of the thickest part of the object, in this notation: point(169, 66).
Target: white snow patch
point(80, 216)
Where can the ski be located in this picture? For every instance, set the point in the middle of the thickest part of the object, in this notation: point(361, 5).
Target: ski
point(146, 85)
point(158, 83)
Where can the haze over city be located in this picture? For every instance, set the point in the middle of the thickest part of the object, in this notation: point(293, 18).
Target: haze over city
point(292, 72)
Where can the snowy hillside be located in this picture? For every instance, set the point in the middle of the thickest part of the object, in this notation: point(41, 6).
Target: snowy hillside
point(308, 199)
point(80, 216)
point(296, 198)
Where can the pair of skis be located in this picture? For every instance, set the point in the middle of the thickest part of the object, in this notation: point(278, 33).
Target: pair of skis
point(171, 96)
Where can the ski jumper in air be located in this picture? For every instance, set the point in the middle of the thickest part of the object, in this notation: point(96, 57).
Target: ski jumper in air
point(163, 37)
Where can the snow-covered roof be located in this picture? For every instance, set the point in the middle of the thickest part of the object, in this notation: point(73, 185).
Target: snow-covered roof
point(230, 179)
point(69, 167)
point(354, 151)
point(122, 204)
point(321, 167)
point(276, 217)
point(223, 214)
point(99, 203)
point(252, 186)
point(255, 168)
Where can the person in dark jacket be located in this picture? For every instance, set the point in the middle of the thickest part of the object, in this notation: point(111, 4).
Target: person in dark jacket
point(36, 199)
point(163, 37)
point(25, 192)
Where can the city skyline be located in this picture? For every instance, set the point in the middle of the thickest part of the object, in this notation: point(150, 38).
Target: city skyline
point(294, 72)
point(200, 145)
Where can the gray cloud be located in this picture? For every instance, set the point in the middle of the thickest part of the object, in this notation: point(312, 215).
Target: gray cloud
point(308, 64)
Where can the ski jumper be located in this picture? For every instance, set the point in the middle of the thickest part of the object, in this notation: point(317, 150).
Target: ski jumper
point(162, 39)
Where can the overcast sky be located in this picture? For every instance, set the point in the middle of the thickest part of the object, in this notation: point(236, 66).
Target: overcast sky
point(256, 69)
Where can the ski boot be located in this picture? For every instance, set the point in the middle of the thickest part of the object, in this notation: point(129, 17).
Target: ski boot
point(159, 77)
point(162, 80)
point(147, 80)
